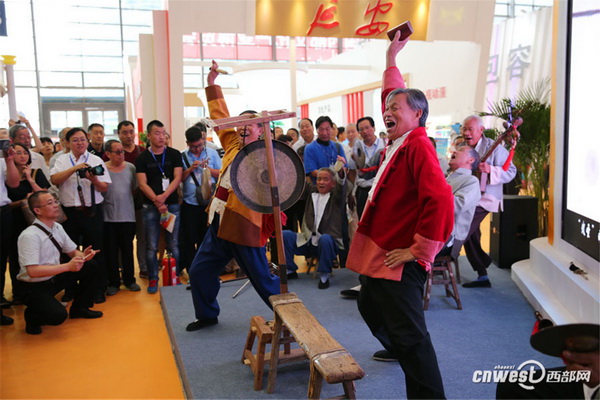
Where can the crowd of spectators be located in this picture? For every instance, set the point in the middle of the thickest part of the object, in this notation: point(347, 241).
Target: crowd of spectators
point(115, 192)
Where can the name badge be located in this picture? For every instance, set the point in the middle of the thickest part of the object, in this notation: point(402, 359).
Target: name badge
point(165, 184)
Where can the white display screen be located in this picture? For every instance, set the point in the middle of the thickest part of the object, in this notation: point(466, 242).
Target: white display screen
point(582, 213)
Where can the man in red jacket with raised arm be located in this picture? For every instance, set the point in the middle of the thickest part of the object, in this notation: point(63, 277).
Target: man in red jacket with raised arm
point(407, 219)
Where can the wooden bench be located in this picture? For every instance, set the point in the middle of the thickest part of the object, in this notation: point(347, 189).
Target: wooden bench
point(328, 359)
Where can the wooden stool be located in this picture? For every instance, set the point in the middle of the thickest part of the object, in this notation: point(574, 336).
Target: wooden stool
point(312, 263)
point(441, 274)
point(263, 331)
point(328, 359)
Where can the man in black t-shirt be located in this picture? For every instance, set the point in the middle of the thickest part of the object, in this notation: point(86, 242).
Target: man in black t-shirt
point(159, 174)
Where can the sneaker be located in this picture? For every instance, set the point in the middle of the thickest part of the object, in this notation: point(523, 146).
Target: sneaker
point(153, 288)
point(201, 323)
point(384, 355)
point(112, 290)
point(350, 294)
point(134, 287)
point(474, 284)
point(324, 285)
point(144, 274)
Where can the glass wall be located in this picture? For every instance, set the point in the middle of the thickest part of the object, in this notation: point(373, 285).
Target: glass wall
point(70, 68)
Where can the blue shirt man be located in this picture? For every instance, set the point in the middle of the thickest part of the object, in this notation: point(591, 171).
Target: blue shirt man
point(194, 218)
point(322, 153)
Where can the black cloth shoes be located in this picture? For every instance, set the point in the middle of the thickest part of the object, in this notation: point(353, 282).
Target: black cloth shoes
point(84, 313)
point(201, 323)
point(474, 284)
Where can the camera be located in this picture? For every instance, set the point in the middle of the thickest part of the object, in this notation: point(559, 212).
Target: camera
point(97, 170)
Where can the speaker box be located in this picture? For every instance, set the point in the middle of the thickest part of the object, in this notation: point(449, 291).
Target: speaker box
point(513, 229)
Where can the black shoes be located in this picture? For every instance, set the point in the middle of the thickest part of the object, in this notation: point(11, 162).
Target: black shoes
point(99, 298)
point(68, 296)
point(324, 285)
point(201, 323)
point(32, 329)
point(474, 284)
point(384, 355)
point(292, 275)
point(84, 313)
point(350, 294)
point(6, 320)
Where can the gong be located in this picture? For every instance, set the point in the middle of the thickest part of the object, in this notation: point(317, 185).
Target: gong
point(250, 176)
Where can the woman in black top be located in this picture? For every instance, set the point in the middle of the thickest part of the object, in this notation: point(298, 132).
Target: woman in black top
point(32, 180)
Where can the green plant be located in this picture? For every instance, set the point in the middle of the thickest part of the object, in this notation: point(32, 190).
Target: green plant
point(533, 150)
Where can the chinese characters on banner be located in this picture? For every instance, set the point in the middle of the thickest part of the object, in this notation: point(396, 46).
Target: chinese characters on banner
point(375, 28)
point(326, 18)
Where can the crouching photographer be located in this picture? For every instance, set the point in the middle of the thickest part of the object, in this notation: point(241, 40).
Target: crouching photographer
point(81, 179)
point(45, 273)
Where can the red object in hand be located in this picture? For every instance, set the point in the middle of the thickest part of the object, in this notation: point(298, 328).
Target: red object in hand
point(170, 277)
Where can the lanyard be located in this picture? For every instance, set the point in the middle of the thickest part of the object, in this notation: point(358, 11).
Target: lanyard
point(79, 188)
point(73, 162)
point(162, 165)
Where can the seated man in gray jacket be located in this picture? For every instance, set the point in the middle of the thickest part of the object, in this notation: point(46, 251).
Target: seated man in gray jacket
point(466, 191)
point(321, 233)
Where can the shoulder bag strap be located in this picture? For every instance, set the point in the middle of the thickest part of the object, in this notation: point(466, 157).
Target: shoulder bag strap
point(47, 232)
point(187, 165)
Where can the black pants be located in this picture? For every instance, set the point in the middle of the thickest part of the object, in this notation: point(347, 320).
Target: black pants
point(361, 200)
point(192, 228)
point(6, 233)
point(87, 230)
point(19, 224)
point(477, 257)
point(118, 241)
point(42, 306)
point(394, 313)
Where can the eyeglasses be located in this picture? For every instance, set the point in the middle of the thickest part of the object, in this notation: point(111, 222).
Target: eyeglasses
point(118, 152)
point(78, 140)
point(198, 146)
point(50, 203)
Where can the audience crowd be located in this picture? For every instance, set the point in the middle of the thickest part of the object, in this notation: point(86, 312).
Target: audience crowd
point(113, 192)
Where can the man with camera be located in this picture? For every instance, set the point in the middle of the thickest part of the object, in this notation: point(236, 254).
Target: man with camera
point(81, 179)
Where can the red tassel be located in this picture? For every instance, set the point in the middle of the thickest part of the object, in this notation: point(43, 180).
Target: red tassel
point(511, 154)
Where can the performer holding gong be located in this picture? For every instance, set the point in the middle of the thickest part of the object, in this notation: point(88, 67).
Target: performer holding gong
point(235, 231)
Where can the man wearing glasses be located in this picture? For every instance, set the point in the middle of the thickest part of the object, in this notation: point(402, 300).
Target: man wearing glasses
point(194, 218)
point(45, 274)
point(82, 180)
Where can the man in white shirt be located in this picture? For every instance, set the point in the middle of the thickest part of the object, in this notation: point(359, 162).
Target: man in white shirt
point(491, 199)
point(44, 274)
point(81, 178)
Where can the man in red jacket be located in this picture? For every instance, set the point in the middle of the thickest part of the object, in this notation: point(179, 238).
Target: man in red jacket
point(407, 219)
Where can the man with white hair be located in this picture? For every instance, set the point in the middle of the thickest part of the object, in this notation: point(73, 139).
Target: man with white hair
point(491, 199)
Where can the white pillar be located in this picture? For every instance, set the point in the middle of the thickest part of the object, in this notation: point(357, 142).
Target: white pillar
point(8, 62)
